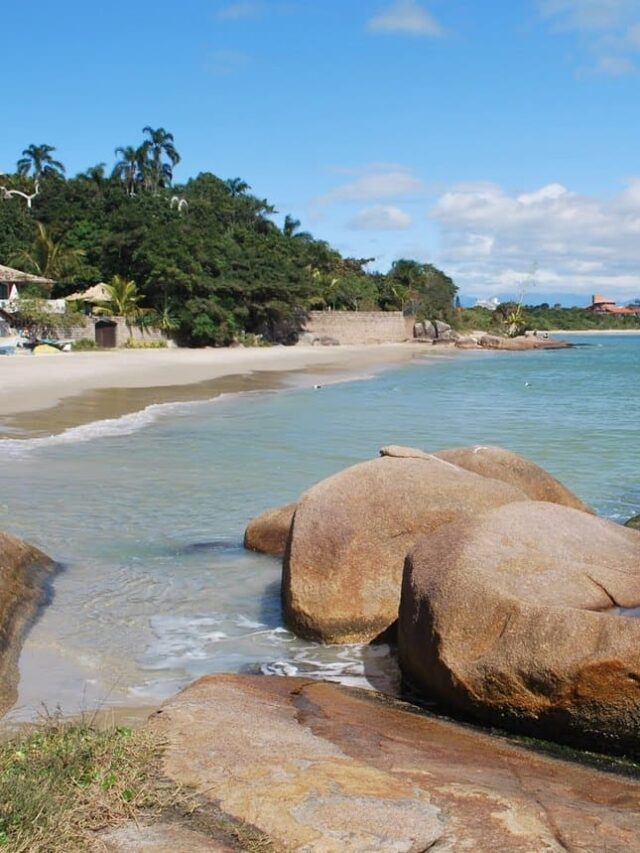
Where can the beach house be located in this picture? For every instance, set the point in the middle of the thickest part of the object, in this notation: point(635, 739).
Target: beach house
point(602, 305)
point(11, 281)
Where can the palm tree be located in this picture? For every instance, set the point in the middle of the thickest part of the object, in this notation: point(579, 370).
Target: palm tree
point(291, 226)
point(123, 300)
point(236, 187)
point(95, 174)
point(127, 167)
point(38, 160)
point(158, 145)
point(48, 257)
point(123, 296)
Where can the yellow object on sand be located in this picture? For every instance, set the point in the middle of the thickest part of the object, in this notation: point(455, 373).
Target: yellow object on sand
point(44, 349)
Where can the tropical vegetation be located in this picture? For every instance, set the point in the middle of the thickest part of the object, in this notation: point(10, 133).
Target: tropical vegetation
point(203, 259)
point(514, 318)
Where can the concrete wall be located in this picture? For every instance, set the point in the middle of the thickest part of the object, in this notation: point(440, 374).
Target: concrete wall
point(361, 327)
point(86, 329)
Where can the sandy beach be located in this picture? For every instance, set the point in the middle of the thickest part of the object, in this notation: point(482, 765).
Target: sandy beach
point(53, 392)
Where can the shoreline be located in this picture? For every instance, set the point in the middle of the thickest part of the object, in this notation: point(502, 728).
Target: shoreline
point(47, 395)
point(594, 332)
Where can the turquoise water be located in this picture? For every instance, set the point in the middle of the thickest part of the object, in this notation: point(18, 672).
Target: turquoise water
point(146, 514)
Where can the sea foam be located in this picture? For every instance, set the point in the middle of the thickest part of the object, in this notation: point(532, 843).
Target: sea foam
point(107, 428)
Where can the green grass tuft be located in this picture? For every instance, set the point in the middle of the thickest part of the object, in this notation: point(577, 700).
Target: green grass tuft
point(61, 782)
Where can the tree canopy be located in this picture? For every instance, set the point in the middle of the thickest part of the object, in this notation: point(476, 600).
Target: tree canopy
point(206, 257)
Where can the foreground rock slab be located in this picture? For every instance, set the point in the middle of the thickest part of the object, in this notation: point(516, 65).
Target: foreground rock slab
point(317, 767)
point(159, 838)
point(509, 617)
point(23, 571)
point(351, 532)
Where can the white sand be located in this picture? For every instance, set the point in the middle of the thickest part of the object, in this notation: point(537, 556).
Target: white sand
point(30, 382)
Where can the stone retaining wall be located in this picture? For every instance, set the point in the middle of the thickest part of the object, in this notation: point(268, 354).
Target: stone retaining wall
point(361, 327)
point(86, 329)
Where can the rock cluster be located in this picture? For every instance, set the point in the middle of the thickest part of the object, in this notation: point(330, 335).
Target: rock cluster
point(437, 332)
point(351, 533)
point(508, 583)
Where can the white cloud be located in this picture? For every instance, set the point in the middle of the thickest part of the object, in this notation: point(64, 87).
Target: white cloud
point(376, 182)
point(407, 17)
point(614, 66)
point(380, 217)
point(225, 62)
point(588, 14)
point(609, 29)
point(490, 238)
point(239, 10)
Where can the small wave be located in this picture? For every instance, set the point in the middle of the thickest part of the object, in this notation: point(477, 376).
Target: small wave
point(108, 428)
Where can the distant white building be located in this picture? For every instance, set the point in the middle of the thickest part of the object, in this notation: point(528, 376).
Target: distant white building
point(489, 304)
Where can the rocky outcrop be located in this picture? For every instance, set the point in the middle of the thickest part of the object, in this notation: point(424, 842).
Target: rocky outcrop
point(314, 766)
point(501, 464)
point(23, 570)
point(351, 532)
point(633, 522)
point(268, 532)
point(506, 616)
point(521, 342)
point(432, 330)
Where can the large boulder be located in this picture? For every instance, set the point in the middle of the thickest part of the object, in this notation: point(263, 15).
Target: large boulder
point(268, 532)
point(505, 465)
point(509, 616)
point(351, 532)
point(314, 766)
point(23, 570)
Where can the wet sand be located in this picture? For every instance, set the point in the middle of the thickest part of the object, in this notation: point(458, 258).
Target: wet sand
point(48, 394)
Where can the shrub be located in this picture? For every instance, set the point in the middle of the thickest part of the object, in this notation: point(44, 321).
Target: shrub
point(132, 343)
point(84, 344)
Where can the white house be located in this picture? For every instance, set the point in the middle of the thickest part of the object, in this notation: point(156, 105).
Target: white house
point(489, 304)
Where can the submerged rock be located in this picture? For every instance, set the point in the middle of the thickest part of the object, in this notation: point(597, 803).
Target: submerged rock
point(511, 468)
point(315, 766)
point(268, 532)
point(351, 532)
point(23, 570)
point(504, 617)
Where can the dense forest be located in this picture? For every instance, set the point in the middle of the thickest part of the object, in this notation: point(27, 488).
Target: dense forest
point(203, 259)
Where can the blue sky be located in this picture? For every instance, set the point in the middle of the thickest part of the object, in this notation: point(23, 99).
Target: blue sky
point(490, 138)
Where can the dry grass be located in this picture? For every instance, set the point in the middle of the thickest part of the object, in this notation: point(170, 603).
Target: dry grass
point(61, 782)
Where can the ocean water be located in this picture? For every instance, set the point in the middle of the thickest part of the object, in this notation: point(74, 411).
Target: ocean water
point(146, 514)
